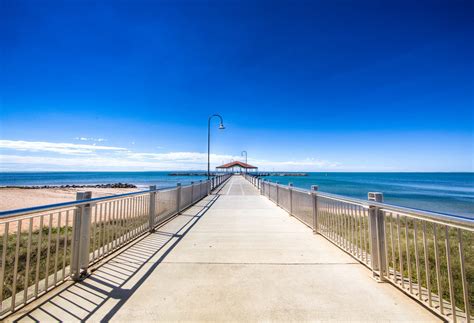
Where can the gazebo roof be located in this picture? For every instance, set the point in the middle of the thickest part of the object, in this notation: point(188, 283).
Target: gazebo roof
point(237, 163)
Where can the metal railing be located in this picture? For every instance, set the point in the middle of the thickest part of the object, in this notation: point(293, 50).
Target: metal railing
point(43, 246)
point(428, 255)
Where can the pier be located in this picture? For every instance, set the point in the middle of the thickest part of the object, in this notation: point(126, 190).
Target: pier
point(232, 255)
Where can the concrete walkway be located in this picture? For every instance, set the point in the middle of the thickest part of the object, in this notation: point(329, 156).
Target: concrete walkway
point(233, 256)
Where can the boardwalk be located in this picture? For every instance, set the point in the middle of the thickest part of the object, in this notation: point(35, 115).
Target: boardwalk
point(233, 256)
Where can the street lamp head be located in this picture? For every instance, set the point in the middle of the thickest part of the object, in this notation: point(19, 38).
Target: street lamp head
point(221, 126)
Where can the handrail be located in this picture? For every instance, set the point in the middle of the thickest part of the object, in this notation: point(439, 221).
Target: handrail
point(426, 254)
point(48, 207)
point(76, 234)
point(457, 220)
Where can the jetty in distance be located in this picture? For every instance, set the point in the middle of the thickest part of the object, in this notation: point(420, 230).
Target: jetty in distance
point(234, 247)
point(257, 174)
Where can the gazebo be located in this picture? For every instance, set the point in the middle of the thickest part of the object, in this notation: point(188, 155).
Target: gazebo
point(236, 167)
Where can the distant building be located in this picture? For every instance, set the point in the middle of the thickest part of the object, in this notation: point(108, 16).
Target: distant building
point(236, 167)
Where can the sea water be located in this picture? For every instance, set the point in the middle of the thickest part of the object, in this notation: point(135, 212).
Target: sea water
point(451, 193)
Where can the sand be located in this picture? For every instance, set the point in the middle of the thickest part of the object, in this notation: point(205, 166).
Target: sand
point(16, 198)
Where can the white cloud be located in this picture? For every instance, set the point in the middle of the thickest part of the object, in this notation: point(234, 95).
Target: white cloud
point(90, 139)
point(60, 148)
point(69, 156)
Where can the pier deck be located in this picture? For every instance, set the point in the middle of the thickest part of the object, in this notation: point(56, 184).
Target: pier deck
point(233, 256)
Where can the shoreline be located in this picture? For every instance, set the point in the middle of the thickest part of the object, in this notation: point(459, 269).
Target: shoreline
point(108, 185)
point(19, 198)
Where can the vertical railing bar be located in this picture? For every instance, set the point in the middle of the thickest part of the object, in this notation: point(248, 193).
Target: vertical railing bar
point(385, 232)
point(450, 274)
point(353, 228)
point(137, 216)
point(400, 255)
point(361, 233)
point(128, 228)
point(48, 252)
point(338, 223)
point(348, 227)
point(124, 221)
point(359, 222)
point(15, 266)
point(131, 212)
point(4, 255)
point(467, 305)
point(343, 225)
point(100, 249)
point(107, 227)
point(143, 210)
point(324, 213)
point(131, 216)
point(118, 232)
point(27, 267)
point(407, 245)
point(95, 243)
point(56, 254)
point(393, 249)
point(126, 231)
point(38, 256)
point(334, 221)
point(328, 219)
point(128, 220)
point(438, 273)
point(417, 259)
point(335, 224)
point(66, 227)
point(366, 238)
point(427, 265)
point(73, 243)
point(114, 227)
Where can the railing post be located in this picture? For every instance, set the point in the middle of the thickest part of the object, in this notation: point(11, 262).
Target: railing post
point(192, 192)
point(200, 188)
point(277, 200)
point(377, 236)
point(81, 237)
point(178, 197)
point(209, 187)
point(314, 196)
point(151, 216)
point(290, 191)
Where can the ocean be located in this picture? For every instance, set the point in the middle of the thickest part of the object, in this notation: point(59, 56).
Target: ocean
point(451, 193)
point(141, 179)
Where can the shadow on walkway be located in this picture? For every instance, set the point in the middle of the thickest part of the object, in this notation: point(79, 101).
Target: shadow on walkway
point(103, 293)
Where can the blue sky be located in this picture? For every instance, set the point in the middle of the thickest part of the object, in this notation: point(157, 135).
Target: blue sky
point(310, 86)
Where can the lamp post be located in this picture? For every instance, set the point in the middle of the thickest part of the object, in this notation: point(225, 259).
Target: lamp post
point(221, 127)
point(241, 154)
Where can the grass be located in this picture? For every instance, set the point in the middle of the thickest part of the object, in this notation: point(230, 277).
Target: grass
point(351, 230)
point(41, 265)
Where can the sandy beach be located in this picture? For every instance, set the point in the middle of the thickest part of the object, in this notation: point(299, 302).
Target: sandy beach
point(16, 198)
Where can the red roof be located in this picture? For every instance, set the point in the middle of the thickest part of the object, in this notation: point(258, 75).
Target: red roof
point(236, 163)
